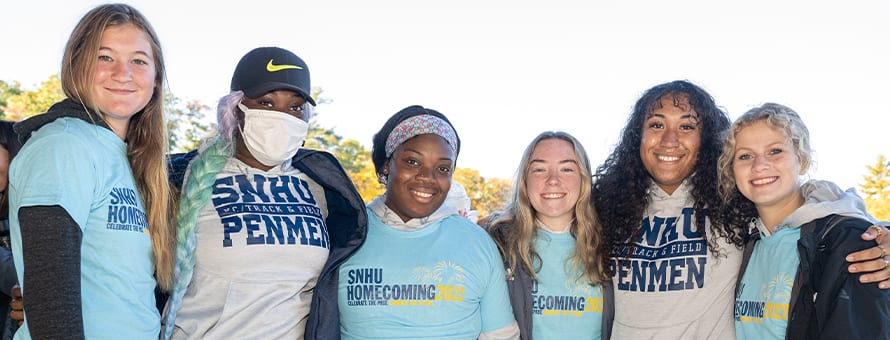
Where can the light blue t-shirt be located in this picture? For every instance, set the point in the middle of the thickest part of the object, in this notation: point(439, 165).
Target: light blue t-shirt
point(761, 308)
point(563, 306)
point(83, 168)
point(444, 281)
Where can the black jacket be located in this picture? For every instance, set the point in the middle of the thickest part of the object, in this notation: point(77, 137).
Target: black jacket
point(828, 302)
point(519, 285)
point(347, 224)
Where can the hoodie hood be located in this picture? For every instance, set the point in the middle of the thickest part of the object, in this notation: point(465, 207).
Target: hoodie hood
point(64, 108)
point(822, 198)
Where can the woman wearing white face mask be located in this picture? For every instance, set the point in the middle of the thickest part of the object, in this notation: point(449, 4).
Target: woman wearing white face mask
point(260, 219)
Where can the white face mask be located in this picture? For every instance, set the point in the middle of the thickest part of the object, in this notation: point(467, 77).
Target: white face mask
point(271, 136)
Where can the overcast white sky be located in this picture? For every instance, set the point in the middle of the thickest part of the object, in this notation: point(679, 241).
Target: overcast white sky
point(503, 71)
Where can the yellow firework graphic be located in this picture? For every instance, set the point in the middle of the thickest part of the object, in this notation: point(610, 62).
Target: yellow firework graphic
point(444, 272)
point(452, 272)
point(780, 286)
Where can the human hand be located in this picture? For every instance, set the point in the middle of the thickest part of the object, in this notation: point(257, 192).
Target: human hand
point(873, 261)
point(16, 306)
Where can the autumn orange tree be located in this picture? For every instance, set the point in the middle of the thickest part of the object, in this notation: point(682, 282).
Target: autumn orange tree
point(877, 189)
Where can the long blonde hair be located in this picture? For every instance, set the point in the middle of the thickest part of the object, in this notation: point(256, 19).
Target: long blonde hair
point(514, 229)
point(146, 135)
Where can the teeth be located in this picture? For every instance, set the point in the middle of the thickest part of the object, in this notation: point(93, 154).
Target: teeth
point(423, 194)
point(764, 180)
point(552, 195)
point(668, 158)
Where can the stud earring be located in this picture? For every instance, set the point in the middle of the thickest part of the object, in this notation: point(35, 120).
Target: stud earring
point(382, 179)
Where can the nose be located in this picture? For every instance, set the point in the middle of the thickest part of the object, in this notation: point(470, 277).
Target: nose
point(122, 72)
point(426, 173)
point(553, 178)
point(761, 163)
point(670, 138)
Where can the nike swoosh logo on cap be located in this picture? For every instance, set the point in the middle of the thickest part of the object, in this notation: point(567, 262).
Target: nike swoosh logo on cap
point(275, 68)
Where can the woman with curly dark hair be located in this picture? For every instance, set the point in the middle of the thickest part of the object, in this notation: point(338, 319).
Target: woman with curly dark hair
point(674, 261)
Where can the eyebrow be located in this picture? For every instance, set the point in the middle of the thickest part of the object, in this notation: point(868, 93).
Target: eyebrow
point(422, 154)
point(140, 52)
point(564, 161)
point(685, 116)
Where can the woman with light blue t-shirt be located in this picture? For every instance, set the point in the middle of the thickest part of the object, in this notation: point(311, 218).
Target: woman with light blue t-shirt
point(424, 271)
point(549, 235)
point(89, 197)
point(794, 283)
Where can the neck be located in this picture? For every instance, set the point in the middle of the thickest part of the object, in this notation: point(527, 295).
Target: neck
point(118, 126)
point(557, 225)
point(772, 215)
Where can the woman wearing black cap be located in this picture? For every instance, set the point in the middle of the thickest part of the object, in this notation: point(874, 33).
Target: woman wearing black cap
point(423, 271)
point(260, 220)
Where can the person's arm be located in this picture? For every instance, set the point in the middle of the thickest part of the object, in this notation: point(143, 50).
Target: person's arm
point(508, 332)
point(51, 242)
point(873, 262)
point(8, 277)
point(495, 305)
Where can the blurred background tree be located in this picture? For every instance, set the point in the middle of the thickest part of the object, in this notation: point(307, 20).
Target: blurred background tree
point(876, 189)
point(189, 122)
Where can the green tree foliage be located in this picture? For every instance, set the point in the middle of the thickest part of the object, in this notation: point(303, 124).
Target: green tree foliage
point(184, 122)
point(18, 104)
point(877, 189)
point(7, 90)
point(187, 124)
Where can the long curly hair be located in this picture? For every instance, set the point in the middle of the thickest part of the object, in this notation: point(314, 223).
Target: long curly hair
point(146, 133)
point(621, 183)
point(736, 209)
point(513, 229)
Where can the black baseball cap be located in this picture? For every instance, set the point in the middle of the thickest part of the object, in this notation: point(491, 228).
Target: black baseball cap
point(266, 69)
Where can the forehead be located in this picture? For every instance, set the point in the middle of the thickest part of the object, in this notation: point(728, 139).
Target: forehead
point(428, 143)
point(553, 148)
point(761, 131)
point(677, 103)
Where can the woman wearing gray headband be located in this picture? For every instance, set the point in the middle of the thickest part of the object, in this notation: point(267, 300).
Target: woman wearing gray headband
point(423, 271)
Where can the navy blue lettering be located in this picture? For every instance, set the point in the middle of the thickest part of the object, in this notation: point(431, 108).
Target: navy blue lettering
point(249, 192)
point(658, 276)
point(687, 224)
point(279, 187)
point(273, 229)
point(223, 193)
point(230, 225)
point(302, 189)
point(252, 222)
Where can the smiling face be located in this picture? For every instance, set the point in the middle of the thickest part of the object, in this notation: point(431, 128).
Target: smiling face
point(766, 169)
point(419, 176)
point(124, 79)
point(670, 142)
point(554, 183)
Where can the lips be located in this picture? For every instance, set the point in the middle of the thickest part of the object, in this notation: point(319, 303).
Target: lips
point(121, 91)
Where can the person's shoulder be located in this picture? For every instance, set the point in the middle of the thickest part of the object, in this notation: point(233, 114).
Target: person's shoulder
point(842, 228)
point(64, 133)
point(305, 154)
point(459, 224)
